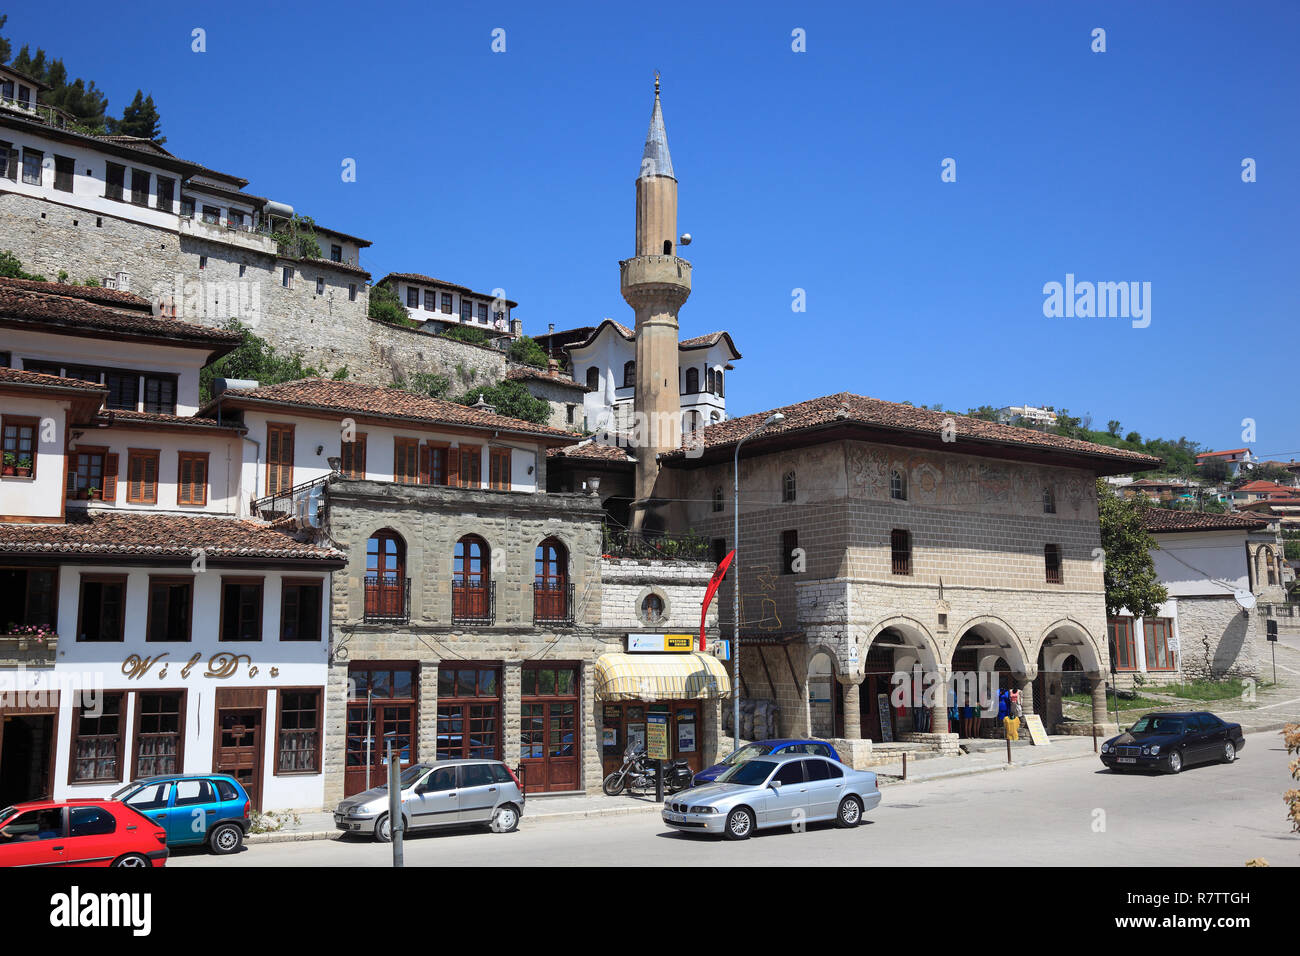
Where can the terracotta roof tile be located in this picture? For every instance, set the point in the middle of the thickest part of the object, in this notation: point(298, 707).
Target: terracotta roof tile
point(905, 419)
point(88, 292)
point(1232, 451)
point(20, 377)
point(160, 535)
point(524, 372)
point(430, 280)
point(591, 450)
point(112, 416)
point(353, 397)
point(1265, 486)
point(1166, 519)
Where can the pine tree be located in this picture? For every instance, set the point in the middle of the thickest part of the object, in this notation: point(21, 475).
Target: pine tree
point(139, 118)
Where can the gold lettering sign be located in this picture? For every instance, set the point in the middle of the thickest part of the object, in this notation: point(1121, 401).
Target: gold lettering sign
point(221, 666)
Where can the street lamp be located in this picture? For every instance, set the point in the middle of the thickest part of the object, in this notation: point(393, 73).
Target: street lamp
point(772, 419)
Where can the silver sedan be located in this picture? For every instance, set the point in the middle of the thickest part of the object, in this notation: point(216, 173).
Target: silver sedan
point(780, 791)
point(442, 793)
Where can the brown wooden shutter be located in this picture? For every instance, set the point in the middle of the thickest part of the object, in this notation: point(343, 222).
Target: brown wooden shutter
point(110, 478)
point(426, 462)
point(72, 474)
point(453, 467)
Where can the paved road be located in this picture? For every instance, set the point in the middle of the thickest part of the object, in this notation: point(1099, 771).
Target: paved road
point(1216, 815)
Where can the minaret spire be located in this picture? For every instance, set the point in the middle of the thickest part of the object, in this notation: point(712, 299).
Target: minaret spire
point(655, 160)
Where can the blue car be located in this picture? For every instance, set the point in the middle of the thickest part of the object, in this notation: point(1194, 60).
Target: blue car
point(194, 808)
point(764, 748)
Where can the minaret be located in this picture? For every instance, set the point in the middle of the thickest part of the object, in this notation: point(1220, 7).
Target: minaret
point(655, 283)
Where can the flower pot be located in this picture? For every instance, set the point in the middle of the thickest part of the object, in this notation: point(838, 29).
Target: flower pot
point(22, 645)
point(8, 469)
point(23, 472)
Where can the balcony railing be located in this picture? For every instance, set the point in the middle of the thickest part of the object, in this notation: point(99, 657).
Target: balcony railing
point(552, 603)
point(388, 600)
point(474, 603)
point(281, 503)
point(622, 543)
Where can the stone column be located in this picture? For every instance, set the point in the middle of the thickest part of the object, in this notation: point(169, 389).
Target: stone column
point(512, 679)
point(1025, 684)
point(426, 718)
point(1097, 684)
point(852, 706)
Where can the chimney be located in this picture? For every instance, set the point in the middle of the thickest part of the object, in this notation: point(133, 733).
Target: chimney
point(553, 367)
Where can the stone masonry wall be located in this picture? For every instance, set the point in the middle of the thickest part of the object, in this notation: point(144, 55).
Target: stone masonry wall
point(1218, 639)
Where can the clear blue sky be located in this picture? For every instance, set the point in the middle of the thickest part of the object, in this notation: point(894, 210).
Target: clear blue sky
point(816, 170)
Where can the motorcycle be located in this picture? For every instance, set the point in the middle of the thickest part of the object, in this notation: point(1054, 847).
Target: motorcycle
point(637, 775)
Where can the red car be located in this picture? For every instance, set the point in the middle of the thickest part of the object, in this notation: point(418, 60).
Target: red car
point(79, 833)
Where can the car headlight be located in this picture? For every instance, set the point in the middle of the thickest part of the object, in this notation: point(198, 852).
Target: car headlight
point(1105, 748)
point(360, 812)
point(1155, 750)
point(1146, 751)
point(704, 809)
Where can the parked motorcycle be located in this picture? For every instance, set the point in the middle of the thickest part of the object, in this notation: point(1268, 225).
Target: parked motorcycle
point(637, 775)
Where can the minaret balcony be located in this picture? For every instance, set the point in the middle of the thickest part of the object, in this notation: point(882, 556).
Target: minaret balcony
point(651, 275)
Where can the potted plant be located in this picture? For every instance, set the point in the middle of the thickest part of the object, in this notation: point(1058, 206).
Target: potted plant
point(10, 462)
point(93, 493)
point(24, 466)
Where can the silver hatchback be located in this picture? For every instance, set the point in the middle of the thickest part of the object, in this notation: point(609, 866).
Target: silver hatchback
point(438, 794)
point(778, 791)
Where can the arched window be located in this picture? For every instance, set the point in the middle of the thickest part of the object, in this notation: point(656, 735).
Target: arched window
point(718, 382)
point(717, 497)
point(788, 486)
point(668, 247)
point(629, 375)
point(710, 382)
point(471, 581)
point(1270, 566)
point(692, 381)
point(898, 485)
point(593, 379)
point(1049, 501)
point(385, 581)
point(551, 582)
point(652, 609)
point(715, 418)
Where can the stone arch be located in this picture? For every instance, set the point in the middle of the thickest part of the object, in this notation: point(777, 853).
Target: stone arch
point(1070, 638)
point(821, 689)
point(916, 635)
point(1003, 634)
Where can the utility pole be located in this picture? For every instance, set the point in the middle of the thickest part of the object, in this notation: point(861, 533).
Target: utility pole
point(395, 822)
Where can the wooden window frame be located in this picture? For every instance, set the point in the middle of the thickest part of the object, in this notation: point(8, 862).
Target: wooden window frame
point(168, 580)
point(94, 578)
point(107, 472)
point(29, 570)
point(1130, 643)
point(20, 422)
point(65, 173)
point(161, 377)
point(430, 452)
point(471, 462)
point(406, 455)
point(629, 374)
point(279, 729)
point(789, 486)
point(74, 738)
point(114, 185)
point(182, 496)
point(593, 372)
point(241, 581)
point(282, 428)
point(1050, 575)
point(348, 455)
point(136, 720)
point(498, 480)
point(903, 567)
point(1049, 501)
point(897, 484)
point(140, 457)
point(40, 166)
point(285, 584)
point(1150, 629)
point(692, 381)
point(123, 373)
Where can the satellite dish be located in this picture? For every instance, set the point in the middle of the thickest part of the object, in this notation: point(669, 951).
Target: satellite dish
point(1244, 598)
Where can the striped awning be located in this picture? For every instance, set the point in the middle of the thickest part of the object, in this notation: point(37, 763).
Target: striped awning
point(694, 676)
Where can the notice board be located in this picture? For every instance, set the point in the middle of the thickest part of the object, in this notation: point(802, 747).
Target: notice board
point(1037, 733)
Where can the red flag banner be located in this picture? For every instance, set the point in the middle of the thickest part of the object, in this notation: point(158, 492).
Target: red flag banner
point(714, 583)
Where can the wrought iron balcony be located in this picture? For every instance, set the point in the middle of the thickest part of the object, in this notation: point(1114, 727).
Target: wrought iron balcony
point(388, 600)
point(474, 602)
point(622, 543)
point(552, 603)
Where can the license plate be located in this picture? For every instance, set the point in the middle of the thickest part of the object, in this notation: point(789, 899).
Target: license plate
point(1128, 760)
point(673, 817)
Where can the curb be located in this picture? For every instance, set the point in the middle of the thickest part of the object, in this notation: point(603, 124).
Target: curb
point(890, 780)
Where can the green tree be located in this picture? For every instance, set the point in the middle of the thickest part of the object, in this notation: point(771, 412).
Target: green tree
point(386, 306)
point(255, 359)
point(297, 238)
point(1214, 470)
point(139, 118)
point(985, 412)
point(526, 351)
point(86, 104)
point(1130, 574)
point(12, 268)
point(1133, 438)
point(467, 333)
point(510, 398)
point(1112, 427)
point(429, 383)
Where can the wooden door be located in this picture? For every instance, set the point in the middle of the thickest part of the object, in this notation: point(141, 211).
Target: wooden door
point(239, 749)
point(366, 745)
point(549, 742)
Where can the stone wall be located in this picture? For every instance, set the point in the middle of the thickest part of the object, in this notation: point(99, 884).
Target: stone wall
point(1218, 639)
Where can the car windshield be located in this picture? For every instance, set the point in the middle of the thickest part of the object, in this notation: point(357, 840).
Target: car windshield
point(748, 774)
point(1157, 724)
point(748, 752)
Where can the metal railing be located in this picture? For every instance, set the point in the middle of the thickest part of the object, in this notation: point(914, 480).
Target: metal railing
point(474, 603)
point(281, 502)
point(552, 603)
point(622, 543)
point(388, 600)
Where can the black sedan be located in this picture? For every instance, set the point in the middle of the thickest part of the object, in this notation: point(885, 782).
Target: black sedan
point(1170, 742)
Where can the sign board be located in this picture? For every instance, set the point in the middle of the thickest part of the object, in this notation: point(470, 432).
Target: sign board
point(657, 736)
point(723, 652)
point(1271, 628)
point(1037, 733)
point(659, 643)
point(886, 725)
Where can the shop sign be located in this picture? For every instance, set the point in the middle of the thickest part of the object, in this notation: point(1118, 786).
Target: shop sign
point(660, 643)
point(1037, 733)
point(657, 736)
point(221, 666)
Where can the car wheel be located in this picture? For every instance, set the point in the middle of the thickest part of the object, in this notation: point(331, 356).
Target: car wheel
point(383, 832)
point(131, 859)
point(1175, 762)
point(226, 838)
point(505, 819)
point(1229, 752)
point(740, 824)
point(850, 813)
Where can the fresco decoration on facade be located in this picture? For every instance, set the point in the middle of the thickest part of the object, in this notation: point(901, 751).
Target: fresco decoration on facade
point(934, 478)
point(221, 666)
